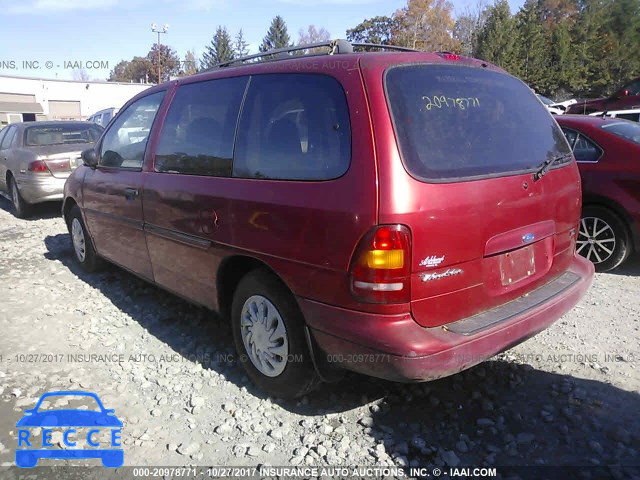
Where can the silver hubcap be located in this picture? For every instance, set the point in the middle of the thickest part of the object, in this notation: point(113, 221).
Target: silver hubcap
point(77, 235)
point(596, 240)
point(264, 336)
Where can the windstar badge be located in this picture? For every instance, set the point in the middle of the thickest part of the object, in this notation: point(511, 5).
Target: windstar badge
point(427, 277)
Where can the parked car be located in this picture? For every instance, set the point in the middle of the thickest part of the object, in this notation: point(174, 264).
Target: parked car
point(555, 108)
point(632, 114)
point(328, 226)
point(627, 96)
point(103, 117)
point(37, 157)
point(607, 151)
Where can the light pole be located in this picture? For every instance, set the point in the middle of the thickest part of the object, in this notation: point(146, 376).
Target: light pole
point(156, 29)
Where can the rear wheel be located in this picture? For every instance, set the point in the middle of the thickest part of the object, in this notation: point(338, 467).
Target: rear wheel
point(603, 238)
point(268, 331)
point(82, 245)
point(21, 207)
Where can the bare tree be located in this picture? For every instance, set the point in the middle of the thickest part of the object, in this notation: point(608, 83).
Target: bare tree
point(312, 35)
point(81, 75)
point(468, 27)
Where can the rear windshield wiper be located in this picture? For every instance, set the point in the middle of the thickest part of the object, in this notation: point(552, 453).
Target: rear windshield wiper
point(546, 165)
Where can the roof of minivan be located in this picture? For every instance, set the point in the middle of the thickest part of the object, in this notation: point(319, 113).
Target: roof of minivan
point(346, 61)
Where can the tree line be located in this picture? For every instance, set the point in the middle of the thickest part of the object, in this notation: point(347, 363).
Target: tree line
point(561, 48)
point(222, 48)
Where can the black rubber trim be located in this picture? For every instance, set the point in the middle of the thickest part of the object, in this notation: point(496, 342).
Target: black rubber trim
point(177, 236)
point(489, 318)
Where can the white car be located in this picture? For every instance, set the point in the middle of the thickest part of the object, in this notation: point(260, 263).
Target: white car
point(556, 108)
point(632, 114)
point(103, 117)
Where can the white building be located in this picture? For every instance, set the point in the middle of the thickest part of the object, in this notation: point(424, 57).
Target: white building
point(29, 99)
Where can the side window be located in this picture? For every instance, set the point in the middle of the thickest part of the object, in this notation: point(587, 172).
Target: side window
point(198, 133)
point(106, 117)
point(3, 132)
point(293, 127)
point(583, 149)
point(125, 142)
point(8, 138)
point(634, 117)
point(571, 136)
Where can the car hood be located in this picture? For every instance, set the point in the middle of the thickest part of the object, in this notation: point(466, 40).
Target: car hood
point(69, 418)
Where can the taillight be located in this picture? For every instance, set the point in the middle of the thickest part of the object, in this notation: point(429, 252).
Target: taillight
point(38, 167)
point(381, 266)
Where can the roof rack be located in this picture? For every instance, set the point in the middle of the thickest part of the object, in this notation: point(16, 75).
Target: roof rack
point(335, 47)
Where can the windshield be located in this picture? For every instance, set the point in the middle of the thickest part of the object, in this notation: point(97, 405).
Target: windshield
point(625, 129)
point(545, 100)
point(61, 135)
point(457, 122)
point(65, 401)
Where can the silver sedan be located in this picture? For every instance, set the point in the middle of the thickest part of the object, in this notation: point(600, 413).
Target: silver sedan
point(37, 157)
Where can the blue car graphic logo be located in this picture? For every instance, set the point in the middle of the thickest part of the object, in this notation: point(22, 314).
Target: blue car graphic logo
point(97, 421)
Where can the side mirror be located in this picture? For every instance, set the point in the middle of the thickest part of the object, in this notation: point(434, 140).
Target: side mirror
point(625, 93)
point(90, 157)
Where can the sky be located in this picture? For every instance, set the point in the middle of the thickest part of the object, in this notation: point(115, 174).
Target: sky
point(52, 38)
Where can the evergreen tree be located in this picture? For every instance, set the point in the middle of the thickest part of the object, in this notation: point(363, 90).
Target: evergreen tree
point(590, 49)
point(562, 59)
point(621, 27)
point(240, 45)
point(190, 65)
point(220, 50)
point(498, 39)
point(532, 49)
point(277, 36)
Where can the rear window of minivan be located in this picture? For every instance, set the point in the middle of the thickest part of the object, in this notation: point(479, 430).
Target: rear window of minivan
point(456, 122)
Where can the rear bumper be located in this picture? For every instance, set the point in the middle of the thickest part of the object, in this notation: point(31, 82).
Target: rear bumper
point(396, 348)
point(40, 188)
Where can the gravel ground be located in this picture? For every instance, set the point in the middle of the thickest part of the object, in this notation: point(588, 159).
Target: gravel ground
point(569, 396)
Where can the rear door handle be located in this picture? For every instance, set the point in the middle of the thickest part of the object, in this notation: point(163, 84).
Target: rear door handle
point(130, 193)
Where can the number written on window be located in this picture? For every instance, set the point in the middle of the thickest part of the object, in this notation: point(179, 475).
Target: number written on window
point(441, 101)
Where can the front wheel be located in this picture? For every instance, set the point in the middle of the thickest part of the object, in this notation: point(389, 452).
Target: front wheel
point(603, 238)
point(268, 332)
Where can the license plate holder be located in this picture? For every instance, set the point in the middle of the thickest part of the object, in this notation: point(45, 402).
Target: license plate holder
point(517, 265)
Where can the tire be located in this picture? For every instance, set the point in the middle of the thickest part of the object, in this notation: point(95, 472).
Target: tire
point(26, 459)
point(611, 244)
point(21, 208)
point(81, 242)
point(288, 372)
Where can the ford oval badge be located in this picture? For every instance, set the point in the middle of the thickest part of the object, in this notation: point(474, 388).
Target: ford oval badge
point(528, 238)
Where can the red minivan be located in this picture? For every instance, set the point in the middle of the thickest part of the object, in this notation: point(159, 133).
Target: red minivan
point(401, 214)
